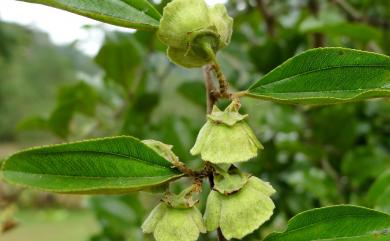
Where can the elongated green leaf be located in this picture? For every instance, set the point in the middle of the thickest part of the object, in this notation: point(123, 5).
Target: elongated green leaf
point(341, 28)
point(72, 99)
point(120, 57)
point(326, 76)
point(343, 222)
point(108, 165)
point(138, 14)
point(370, 158)
point(379, 193)
point(194, 92)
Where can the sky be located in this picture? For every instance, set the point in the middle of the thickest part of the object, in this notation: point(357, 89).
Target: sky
point(63, 27)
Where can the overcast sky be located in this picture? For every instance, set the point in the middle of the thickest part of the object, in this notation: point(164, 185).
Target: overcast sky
point(62, 27)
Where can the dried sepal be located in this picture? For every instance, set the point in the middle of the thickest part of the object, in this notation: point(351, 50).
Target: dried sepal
point(228, 117)
point(183, 200)
point(162, 149)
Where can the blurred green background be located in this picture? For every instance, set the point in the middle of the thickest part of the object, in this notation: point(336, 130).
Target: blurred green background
point(314, 156)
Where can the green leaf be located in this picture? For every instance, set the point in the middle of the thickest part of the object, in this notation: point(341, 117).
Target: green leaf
point(138, 14)
point(341, 28)
point(379, 193)
point(137, 116)
point(343, 222)
point(117, 213)
point(326, 76)
point(72, 99)
point(107, 166)
point(271, 55)
point(33, 123)
point(194, 92)
point(120, 58)
point(362, 163)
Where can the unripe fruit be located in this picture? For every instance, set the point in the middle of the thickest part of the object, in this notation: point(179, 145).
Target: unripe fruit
point(240, 213)
point(187, 26)
point(226, 138)
point(174, 224)
point(175, 219)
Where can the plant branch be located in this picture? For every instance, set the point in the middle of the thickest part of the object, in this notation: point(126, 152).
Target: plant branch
point(211, 96)
point(223, 84)
point(327, 167)
point(355, 15)
point(319, 38)
point(220, 235)
point(183, 168)
point(352, 13)
point(268, 17)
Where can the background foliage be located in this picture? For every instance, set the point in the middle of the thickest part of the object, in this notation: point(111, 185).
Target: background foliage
point(314, 156)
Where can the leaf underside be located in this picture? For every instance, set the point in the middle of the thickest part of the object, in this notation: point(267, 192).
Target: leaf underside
point(326, 76)
point(343, 222)
point(138, 14)
point(105, 166)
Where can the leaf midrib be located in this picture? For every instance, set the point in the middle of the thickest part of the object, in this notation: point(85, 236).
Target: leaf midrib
point(128, 157)
point(94, 177)
point(321, 221)
point(316, 70)
point(333, 91)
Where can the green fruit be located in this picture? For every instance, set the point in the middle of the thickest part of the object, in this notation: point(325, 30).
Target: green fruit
point(226, 138)
point(187, 26)
point(240, 213)
point(180, 19)
point(174, 224)
point(186, 58)
point(223, 22)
